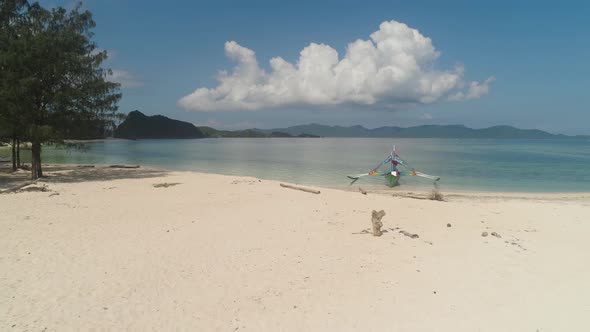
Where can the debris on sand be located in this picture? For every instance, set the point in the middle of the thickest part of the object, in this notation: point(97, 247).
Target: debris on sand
point(408, 234)
point(42, 188)
point(484, 234)
point(166, 184)
point(312, 191)
point(124, 166)
point(376, 220)
point(27, 187)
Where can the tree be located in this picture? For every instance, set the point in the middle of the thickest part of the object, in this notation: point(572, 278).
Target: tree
point(11, 122)
point(54, 75)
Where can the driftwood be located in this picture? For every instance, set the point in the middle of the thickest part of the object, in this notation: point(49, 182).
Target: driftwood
point(43, 188)
point(300, 188)
point(377, 224)
point(364, 192)
point(17, 188)
point(165, 185)
point(408, 234)
point(124, 166)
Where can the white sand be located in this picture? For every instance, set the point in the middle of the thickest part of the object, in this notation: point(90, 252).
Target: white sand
point(219, 253)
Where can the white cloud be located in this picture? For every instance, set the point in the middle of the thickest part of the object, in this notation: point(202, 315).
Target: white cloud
point(475, 90)
point(394, 68)
point(126, 79)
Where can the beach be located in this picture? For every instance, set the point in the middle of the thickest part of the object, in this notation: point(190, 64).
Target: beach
point(149, 249)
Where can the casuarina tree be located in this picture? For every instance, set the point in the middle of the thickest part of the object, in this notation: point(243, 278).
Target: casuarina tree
point(54, 79)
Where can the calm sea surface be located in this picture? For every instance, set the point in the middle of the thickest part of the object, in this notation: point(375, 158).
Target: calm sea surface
point(462, 164)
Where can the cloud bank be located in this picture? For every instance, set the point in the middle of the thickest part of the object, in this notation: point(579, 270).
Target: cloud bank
point(392, 69)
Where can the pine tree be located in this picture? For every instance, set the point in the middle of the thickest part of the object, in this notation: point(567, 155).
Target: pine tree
point(54, 79)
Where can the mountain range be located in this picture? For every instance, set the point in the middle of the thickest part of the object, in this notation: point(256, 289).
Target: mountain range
point(139, 126)
point(425, 131)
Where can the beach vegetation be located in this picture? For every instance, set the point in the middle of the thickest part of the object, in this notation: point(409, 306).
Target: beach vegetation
point(53, 85)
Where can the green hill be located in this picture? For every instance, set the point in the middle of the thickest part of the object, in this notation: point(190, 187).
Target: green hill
point(137, 126)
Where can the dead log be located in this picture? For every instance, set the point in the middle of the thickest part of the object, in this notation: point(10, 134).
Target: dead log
point(17, 188)
point(377, 224)
point(124, 166)
point(300, 188)
point(165, 184)
point(408, 234)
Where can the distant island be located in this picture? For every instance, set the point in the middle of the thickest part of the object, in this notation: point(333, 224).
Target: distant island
point(425, 131)
point(139, 126)
point(215, 133)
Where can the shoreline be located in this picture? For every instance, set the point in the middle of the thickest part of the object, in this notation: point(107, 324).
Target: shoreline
point(147, 249)
point(396, 192)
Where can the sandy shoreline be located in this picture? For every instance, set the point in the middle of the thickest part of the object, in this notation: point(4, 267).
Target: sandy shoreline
point(104, 249)
point(8, 179)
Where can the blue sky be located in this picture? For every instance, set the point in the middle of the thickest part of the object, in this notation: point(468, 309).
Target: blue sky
point(536, 54)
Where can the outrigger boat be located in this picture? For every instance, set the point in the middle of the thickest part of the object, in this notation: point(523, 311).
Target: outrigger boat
point(393, 175)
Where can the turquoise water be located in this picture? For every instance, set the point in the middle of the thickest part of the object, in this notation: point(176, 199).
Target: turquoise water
point(462, 164)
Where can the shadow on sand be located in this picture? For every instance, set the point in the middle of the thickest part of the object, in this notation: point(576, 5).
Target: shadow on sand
point(75, 174)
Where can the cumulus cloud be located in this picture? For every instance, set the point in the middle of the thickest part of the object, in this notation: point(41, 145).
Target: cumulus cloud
point(392, 69)
point(474, 91)
point(126, 79)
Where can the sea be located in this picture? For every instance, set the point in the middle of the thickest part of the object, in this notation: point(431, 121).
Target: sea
point(489, 165)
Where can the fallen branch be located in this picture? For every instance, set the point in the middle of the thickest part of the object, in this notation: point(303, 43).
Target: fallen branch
point(17, 188)
point(43, 188)
point(165, 185)
point(408, 234)
point(124, 166)
point(300, 188)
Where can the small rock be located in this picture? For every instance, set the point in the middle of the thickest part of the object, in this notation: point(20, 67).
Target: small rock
point(496, 235)
point(484, 234)
point(448, 225)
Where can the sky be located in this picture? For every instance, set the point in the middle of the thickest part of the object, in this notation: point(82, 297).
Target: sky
point(272, 64)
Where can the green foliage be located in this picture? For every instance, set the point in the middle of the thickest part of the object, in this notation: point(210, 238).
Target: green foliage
point(52, 84)
point(53, 70)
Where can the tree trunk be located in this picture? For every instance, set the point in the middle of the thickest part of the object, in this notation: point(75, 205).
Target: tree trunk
point(18, 152)
point(13, 154)
point(36, 171)
point(376, 221)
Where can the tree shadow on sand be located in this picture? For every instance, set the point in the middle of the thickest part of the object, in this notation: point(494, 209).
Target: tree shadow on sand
point(76, 174)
